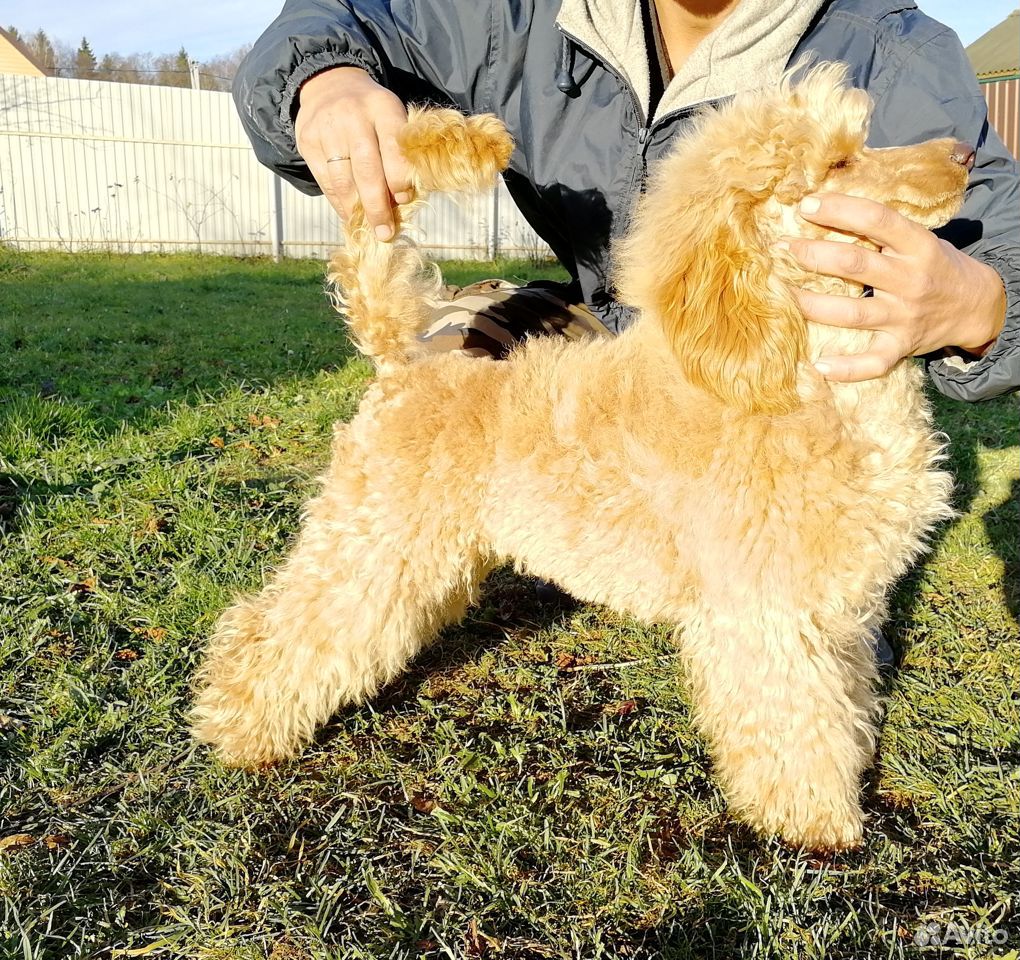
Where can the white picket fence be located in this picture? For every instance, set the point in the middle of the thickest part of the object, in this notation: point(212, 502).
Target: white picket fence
point(90, 165)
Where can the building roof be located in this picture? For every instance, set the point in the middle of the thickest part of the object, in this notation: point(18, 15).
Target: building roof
point(15, 57)
point(997, 53)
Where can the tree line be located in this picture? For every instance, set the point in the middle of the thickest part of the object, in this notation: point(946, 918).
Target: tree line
point(60, 59)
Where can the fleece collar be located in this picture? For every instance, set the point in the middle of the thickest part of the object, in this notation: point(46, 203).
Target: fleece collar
point(749, 50)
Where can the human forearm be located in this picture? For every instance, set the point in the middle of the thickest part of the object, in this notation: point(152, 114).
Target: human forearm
point(419, 49)
point(305, 39)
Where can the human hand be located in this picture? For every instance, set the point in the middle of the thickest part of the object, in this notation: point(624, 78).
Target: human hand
point(927, 294)
point(346, 130)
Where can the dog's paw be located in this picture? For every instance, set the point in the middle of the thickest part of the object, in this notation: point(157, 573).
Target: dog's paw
point(829, 836)
point(817, 829)
point(451, 152)
point(234, 739)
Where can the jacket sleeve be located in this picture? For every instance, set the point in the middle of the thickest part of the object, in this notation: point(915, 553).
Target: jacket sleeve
point(419, 49)
point(934, 93)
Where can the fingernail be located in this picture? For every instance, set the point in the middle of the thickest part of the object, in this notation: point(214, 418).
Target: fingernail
point(810, 205)
point(403, 197)
point(823, 368)
point(781, 245)
point(383, 232)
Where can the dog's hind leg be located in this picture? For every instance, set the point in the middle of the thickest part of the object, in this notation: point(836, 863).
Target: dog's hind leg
point(355, 601)
point(789, 713)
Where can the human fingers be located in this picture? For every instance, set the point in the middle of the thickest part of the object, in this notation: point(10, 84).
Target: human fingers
point(395, 168)
point(378, 167)
point(347, 165)
point(344, 125)
point(850, 261)
point(859, 313)
point(322, 143)
point(368, 174)
point(333, 176)
point(863, 217)
point(883, 354)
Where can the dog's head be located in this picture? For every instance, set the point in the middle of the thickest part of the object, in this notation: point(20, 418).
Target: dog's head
point(700, 257)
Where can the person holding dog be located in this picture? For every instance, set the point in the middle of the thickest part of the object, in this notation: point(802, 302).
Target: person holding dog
point(593, 94)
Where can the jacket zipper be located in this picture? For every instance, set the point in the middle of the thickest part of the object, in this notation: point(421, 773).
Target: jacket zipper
point(642, 137)
point(688, 110)
point(646, 125)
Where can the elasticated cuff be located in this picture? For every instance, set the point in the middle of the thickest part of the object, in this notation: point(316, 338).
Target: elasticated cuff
point(308, 68)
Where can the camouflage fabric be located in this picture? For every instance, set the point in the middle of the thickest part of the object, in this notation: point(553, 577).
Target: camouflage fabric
point(487, 319)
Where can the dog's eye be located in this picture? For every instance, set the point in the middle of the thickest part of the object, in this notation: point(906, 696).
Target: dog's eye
point(841, 164)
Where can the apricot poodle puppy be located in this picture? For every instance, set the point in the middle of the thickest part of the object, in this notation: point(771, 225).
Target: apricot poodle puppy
point(695, 470)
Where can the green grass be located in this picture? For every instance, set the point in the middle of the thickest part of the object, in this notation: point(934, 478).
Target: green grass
point(162, 420)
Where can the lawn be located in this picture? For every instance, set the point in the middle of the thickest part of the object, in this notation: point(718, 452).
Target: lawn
point(162, 419)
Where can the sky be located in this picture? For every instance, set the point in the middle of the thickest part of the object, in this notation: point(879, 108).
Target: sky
point(206, 29)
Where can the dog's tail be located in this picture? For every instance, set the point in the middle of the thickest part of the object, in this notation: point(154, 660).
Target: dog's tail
point(386, 290)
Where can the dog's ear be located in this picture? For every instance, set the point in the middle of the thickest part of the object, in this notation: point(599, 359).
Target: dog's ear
point(697, 266)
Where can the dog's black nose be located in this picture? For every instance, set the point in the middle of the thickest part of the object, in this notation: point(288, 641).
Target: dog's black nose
point(963, 154)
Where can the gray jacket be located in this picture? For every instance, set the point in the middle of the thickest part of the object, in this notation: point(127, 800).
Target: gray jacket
point(584, 140)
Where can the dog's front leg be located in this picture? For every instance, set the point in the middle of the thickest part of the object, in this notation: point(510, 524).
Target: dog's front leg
point(789, 713)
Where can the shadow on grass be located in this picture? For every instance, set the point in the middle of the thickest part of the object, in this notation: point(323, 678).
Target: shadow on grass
point(970, 429)
point(508, 603)
point(20, 491)
point(1002, 523)
point(121, 336)
point(95, 347)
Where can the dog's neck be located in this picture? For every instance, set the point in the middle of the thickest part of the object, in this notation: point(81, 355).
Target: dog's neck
point(782, 220)
point(826, 339)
